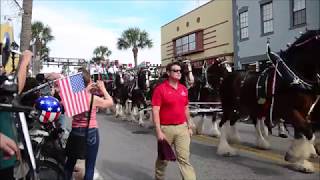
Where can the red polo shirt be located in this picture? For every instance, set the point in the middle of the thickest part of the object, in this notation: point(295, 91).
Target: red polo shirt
point(172, 103)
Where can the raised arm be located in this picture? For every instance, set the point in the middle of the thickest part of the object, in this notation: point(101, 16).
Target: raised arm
point(104, 102)
point(22, 73)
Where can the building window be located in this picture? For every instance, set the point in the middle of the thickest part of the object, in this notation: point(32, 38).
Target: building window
point(267, 18)
point(188, 43)
point(198, 19)
point(244, 25)
point(177, 28)
point(299, 12)
point(187, 24)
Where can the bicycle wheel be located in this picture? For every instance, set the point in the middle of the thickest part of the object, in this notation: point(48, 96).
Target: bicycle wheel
point(49, 170)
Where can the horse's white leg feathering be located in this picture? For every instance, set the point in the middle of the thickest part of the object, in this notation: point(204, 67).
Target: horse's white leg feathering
point(141, 115)
point(215, 130)
point(134, 113)
point(299, 153)
point(264, 128)
point(223, 147)
point(261, 142)
point(233, 134)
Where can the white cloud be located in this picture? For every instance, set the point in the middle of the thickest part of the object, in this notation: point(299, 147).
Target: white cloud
point(76, 35)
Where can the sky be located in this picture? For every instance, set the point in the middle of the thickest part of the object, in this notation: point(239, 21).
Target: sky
point(79, 26)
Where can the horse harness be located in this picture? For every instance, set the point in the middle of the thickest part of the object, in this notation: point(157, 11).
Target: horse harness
point(263, 85)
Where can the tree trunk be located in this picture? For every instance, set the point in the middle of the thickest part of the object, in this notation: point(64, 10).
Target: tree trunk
point(135, 56)
point(26, 32)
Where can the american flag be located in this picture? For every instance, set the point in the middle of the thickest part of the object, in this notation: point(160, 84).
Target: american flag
point(73, 94)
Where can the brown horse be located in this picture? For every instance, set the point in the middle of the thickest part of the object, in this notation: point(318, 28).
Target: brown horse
point(295, 99)
point(208, 79)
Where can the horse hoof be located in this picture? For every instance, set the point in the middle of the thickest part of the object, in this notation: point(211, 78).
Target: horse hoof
point(314, 156)
point(290, 158)
point(317, 147)
point(216, 135)
point(262, 144)
point(229, 153)
point(305, 167)
point(283, 135)
point(141, 124)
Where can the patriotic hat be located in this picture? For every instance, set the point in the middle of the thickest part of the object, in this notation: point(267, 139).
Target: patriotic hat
point(49, 108)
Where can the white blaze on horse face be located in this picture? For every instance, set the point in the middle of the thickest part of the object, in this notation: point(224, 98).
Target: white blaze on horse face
point(121, 78)
point(228, 67)
point(147, 79)
point(190, 74)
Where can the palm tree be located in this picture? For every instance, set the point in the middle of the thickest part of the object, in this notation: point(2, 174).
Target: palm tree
point(101, 52)
point(41, 35)
point(26, 25)
point(134, 38)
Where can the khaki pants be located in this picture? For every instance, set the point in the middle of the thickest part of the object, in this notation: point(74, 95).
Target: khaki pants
point(180, 138)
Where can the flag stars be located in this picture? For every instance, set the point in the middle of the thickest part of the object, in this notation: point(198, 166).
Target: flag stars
point(50, 109)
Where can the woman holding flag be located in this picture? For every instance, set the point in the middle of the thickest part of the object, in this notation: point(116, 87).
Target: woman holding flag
point(82, 125)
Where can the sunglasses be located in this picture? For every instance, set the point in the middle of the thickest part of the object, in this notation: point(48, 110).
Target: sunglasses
point(176, 70)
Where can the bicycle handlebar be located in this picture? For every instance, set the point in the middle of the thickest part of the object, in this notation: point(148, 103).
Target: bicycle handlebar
point(36, 88)
point(15, 106)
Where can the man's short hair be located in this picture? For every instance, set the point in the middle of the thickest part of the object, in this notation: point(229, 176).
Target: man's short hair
point(169, 66)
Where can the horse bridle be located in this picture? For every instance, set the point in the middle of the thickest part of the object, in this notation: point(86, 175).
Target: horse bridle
point(296, 80)
point(205, 71)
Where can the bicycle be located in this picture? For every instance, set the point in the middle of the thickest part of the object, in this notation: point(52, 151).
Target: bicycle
point(49, 152)
point(12, 103)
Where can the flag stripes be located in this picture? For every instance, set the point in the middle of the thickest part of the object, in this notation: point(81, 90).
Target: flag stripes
point(73, 95)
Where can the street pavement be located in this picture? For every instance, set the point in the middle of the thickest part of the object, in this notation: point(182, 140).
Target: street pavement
point(128, 152)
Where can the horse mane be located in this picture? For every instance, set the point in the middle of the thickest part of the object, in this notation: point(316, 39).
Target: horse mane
point(300, 42)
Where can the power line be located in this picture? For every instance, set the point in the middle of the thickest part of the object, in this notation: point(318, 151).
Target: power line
point(10, 9)
point(16, 2)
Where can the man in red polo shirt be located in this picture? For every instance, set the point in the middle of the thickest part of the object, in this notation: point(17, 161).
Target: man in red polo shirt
point(171, 117)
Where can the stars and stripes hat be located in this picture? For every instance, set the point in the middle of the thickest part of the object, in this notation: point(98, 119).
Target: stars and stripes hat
point(49, 108)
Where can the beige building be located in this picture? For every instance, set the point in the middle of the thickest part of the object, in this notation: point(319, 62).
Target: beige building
point(203, 34)
point(6, 32)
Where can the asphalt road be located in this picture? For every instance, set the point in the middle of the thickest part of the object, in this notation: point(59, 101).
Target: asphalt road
point(128, 152)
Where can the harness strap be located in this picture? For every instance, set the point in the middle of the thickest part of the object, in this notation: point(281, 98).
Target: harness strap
point(272, 97)
point(312, 106)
